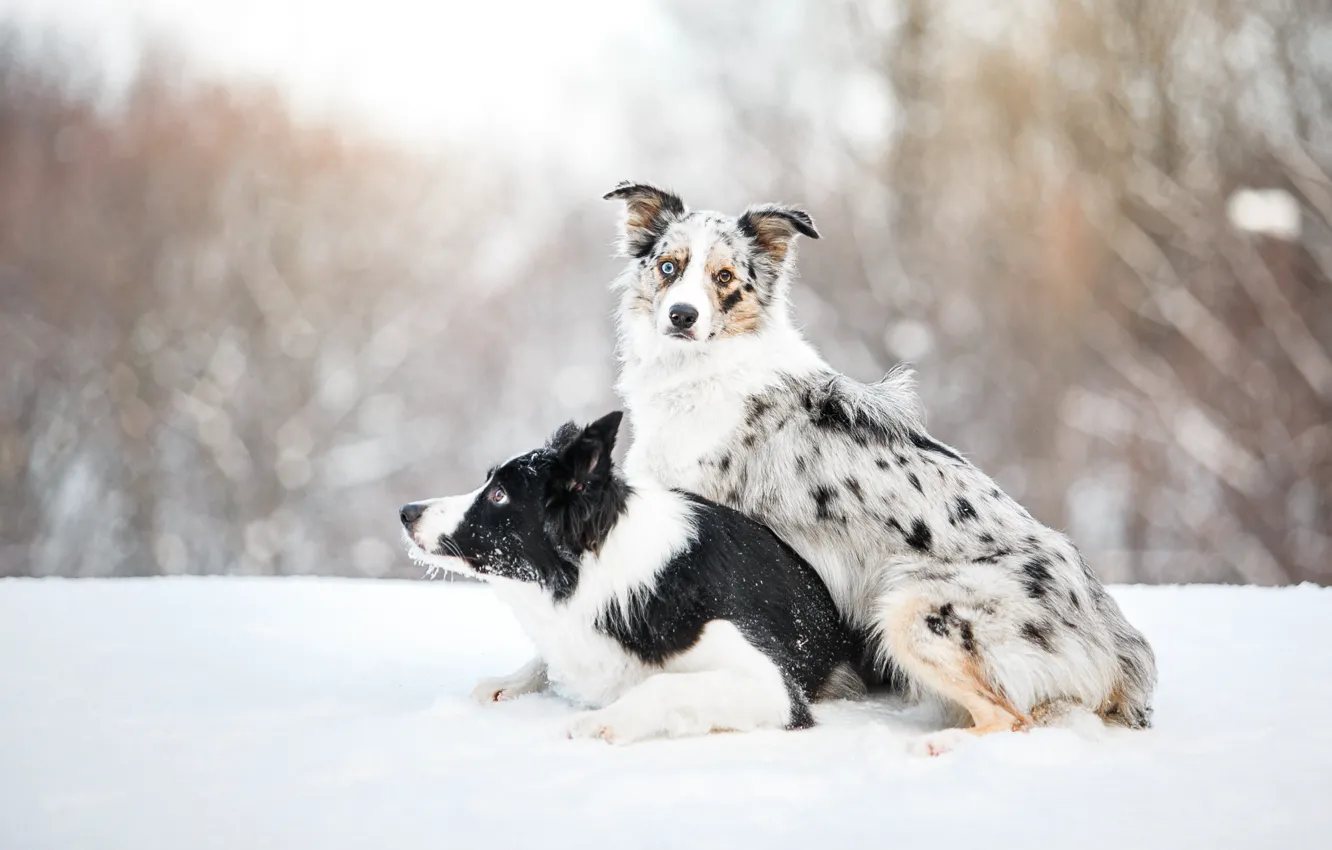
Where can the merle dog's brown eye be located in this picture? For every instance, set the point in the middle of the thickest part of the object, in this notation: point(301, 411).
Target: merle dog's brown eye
point(725, 276)
point(498, 496)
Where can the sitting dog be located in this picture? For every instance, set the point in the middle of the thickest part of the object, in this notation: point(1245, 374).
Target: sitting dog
point(674, 615)
point(963, 595)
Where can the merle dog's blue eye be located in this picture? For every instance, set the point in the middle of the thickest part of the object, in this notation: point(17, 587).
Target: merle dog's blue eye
point(667, 268)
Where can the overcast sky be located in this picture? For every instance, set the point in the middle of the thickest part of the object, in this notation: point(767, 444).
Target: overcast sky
point(417, 70)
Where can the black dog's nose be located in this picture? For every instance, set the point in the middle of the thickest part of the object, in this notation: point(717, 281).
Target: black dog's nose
point(683, 316)
point(410, 513)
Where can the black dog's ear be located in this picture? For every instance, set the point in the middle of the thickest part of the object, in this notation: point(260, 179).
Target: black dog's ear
point(648, 211)
point(773, 228)
point(587, 457)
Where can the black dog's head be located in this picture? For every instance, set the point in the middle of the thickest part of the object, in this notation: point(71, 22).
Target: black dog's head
point(533, 518)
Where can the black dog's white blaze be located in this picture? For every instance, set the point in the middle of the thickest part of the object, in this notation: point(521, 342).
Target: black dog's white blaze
point(678, 615)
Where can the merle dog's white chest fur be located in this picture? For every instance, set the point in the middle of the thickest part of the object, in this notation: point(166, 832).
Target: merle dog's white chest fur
point(678, 428)
point(686, 409)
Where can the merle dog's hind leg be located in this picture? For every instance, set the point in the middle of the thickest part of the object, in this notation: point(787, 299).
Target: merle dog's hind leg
point(936, 647)
point(987, 638)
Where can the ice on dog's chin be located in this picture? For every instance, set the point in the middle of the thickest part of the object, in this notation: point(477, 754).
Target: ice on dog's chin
point(434, 564)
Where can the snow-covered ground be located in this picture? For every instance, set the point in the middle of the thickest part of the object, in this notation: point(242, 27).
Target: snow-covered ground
point(313, 713)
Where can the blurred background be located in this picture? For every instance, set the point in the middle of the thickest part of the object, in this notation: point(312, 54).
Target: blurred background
point(269, 269)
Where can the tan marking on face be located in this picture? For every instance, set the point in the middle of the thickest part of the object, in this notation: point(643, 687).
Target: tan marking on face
point(736, 301)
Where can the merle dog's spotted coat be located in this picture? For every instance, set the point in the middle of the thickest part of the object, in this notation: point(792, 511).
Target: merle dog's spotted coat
point(966, 595)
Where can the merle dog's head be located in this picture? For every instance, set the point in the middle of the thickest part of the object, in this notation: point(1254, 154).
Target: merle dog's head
point(534, 516)
point(699, 276)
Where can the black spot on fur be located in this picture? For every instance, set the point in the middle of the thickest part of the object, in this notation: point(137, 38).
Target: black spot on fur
point(725, 463)
point(830, 411)
point(927, 444)
point(964, 510)
point(755, 408)
point(993, 557)
point(1038, 634)
point(733, 298)
point(882, 463)
point(853, 485)
point(941, 621)
point(968, 637)
point(920, 536)
point(801, 465)
point(1037, 577)
point(915, 482)
point(750, 440)
point(986, 538)
point(895, 525)
point(824, 496)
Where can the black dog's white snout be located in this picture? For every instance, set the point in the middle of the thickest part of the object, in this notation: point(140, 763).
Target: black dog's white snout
point(410, 513)
point(683, 316)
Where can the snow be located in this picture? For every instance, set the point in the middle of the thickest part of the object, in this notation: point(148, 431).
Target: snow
point(293, 713)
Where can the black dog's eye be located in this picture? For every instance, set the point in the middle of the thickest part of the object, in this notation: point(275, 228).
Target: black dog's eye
point(725, 276)
point(498, 496)
point(667, 268)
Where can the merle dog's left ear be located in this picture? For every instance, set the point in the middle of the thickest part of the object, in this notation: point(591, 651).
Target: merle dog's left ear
point(648, 211)
point(773, 228)
point(587, 457)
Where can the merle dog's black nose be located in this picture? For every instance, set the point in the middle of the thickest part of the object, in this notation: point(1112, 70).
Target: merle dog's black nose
point(683, 316)
point(410, 513)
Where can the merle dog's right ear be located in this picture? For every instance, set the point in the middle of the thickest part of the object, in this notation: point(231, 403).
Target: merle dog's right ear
point(648, 211)
point(774, 227)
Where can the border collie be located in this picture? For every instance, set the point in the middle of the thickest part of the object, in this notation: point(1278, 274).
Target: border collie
point(674, 615)
point(961, 593)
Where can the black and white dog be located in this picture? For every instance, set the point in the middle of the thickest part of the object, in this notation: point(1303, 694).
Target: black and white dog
point(676, 616)
point(965, 595)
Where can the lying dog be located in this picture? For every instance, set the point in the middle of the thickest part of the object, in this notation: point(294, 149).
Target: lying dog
point(964, 594)
point(678, 615)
